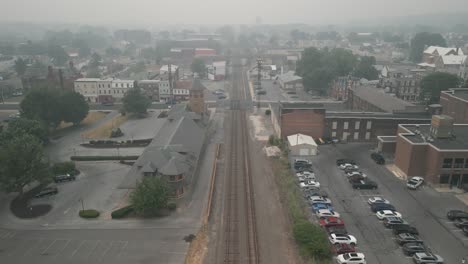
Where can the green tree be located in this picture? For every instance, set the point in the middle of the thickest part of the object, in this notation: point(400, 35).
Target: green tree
point(150, 196)
point(21, 163)
point(434, 83)
point(365, 68)
point(42, 105)
point(26, 126)
point(135, 102)
point(312, 240)
point(20, 66)
point(423, 39)
point(96, 60)
point(73, 107)
point(58, 54)
point(198, 66)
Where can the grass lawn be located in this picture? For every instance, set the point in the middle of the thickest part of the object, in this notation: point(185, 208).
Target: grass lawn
point(104, 130)
point(91, 118)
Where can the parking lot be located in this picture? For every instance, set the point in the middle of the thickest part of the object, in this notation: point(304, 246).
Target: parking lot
point(424, 208)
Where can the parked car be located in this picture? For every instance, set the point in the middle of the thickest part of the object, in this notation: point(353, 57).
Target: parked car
point(319, 199)
point(382, 206)
point(456, 214)
point(302, 161)
point(47, 191)
point(465, 231)
point(300, 167)
point(319, 206)
point(390, 222)
point(326, 213)
point(399, 229)
point(331, 221)
point(404, 238)
point(387, 213)
point(64, 177)
point(410, 248)
point(424, 257)
point(342, 161)
point(342, 248)
point(351, 258)
point(261, 92)
point(306, 174)
point(350, 169)
point(354, 172)
point(364, 184)
point(312, 184)
point(461, 224)
point(379, 159)
point(342, 239)
point(337, 230)
point(414, 182)
point(375, 200)
point(356, 178)
point(309, 193)
point(348, 165)
point(222, 96)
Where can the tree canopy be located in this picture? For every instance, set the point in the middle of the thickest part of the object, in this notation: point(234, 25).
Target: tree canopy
point(73, 107)
point(135, 102)
point(22, 162)
point(58, 54)
point(423, 39)
point(20, 66)
point(21, 126)
point(365, 68)
point(198, 66)
point(434, 83)
point(150, 196)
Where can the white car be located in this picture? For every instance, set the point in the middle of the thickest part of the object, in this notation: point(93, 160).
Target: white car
point(301, 179)
point(319, 199)
point(306, 174)
point(348, 165)
point(422, 258)
point(342, 239)
point(375, 200)
point(326, 213)
point(387, 213)
point(414, 182)
point(351, 258)
point(312, 184)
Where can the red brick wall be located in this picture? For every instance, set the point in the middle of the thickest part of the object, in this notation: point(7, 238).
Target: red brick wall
point(410, 158)
point(457, 109)
point(305, 121)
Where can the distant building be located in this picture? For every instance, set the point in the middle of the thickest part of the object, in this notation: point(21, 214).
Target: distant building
point(92, 88)
point(341, 85)
point(217, 71)
point(201, 52)
point(290, 81)
point(302, 145)
point(432, 53)
point(454, 103)
point(150, 88)
point(403, 81)
point(164, 72)
point(197, 98)
point(164, 91)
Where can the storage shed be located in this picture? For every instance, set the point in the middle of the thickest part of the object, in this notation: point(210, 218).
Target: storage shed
point(302, 145)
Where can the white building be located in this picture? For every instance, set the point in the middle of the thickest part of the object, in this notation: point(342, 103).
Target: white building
point(120, 87)
point(302, 145)
point(165, 69)
point(91, 88)
point(88, 88)
point(164, 91)
point(217, 71)
point(290, 81)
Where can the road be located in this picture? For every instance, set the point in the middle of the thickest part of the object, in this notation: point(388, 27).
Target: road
point(423, 208)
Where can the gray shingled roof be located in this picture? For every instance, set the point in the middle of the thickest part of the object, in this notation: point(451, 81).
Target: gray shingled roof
point(378, 98)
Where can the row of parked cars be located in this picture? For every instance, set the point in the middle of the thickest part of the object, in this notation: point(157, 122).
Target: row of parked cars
point(356, 178)
point(342, 243)
point(52, 189)
point(460, 218)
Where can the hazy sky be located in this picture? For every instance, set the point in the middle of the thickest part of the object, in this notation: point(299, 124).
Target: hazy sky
point(154, 12)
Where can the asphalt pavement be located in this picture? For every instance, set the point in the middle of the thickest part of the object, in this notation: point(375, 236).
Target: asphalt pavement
point(425, 209)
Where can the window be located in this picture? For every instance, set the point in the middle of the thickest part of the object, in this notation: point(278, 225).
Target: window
point(99, 91)
point(334, 124)
point(128, 85)
point(458, 163)
point(357, 124)
point(108, 86)
point(172, 178)
point(346, 125)
point(369, 124)
point(447, 164)
point(367, 135)
point(334, 134)
point(109, 91)
point(104, 91)
point(444, 178)
point(466, 164)
point(356, 135)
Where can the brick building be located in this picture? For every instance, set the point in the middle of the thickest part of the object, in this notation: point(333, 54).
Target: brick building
point(437, 151)
point(341, 85)
point(454, 103)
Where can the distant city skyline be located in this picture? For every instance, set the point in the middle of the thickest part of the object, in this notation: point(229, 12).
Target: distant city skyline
point(218, 11)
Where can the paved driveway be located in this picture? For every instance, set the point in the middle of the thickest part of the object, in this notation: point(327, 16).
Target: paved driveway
point(425, 209)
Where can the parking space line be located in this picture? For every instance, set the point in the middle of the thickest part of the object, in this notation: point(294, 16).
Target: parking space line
point(123, 247)
point(94, 248)
point(60, 251)
point(105, 251)
point(45, 250)
point(32, 246)
point(78, 248)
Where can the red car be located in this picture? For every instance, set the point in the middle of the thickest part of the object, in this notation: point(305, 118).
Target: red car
point(342, 248)
point(331, 221)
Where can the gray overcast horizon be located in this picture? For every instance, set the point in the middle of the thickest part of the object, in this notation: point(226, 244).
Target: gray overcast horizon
point(153, 12)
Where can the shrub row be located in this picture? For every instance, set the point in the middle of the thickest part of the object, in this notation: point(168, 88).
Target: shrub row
point(90, 213)
point(64, 168)
point(113, 142)
point(171, 206)
point(122, 212)
point(98, 158)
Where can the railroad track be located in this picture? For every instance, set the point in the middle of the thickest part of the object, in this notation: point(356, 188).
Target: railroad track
point(240, 227)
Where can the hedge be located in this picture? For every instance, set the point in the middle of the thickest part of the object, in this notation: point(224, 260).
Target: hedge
point(122, 212)
point(97, 158)
point(90, 213)
point(171, 206)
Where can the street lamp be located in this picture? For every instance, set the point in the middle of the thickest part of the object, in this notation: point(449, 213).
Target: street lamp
point(82, 203)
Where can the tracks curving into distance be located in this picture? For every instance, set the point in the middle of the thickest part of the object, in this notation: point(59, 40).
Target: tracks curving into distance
point(240, 226)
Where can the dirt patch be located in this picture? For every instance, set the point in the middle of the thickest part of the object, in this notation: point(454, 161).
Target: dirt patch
point(91, 118)
point(21, 208)
point(198, 248)
point(104, 130)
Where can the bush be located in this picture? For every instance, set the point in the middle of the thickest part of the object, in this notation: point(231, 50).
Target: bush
point(171, 206)
point(150, 196)
point(122, 212)
point(64, 167)
point(268, 112)
point(97, 158)
point(90, 213)
point(312, 240)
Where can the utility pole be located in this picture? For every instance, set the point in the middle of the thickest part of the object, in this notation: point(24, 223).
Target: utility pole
point(259, 80)
point(169, 70)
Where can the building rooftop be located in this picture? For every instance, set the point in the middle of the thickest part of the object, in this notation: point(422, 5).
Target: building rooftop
point(299, 139)
point(380, 99)
point(380, 115)
point(453, 59)
point(420, 134)
point(461, 93)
